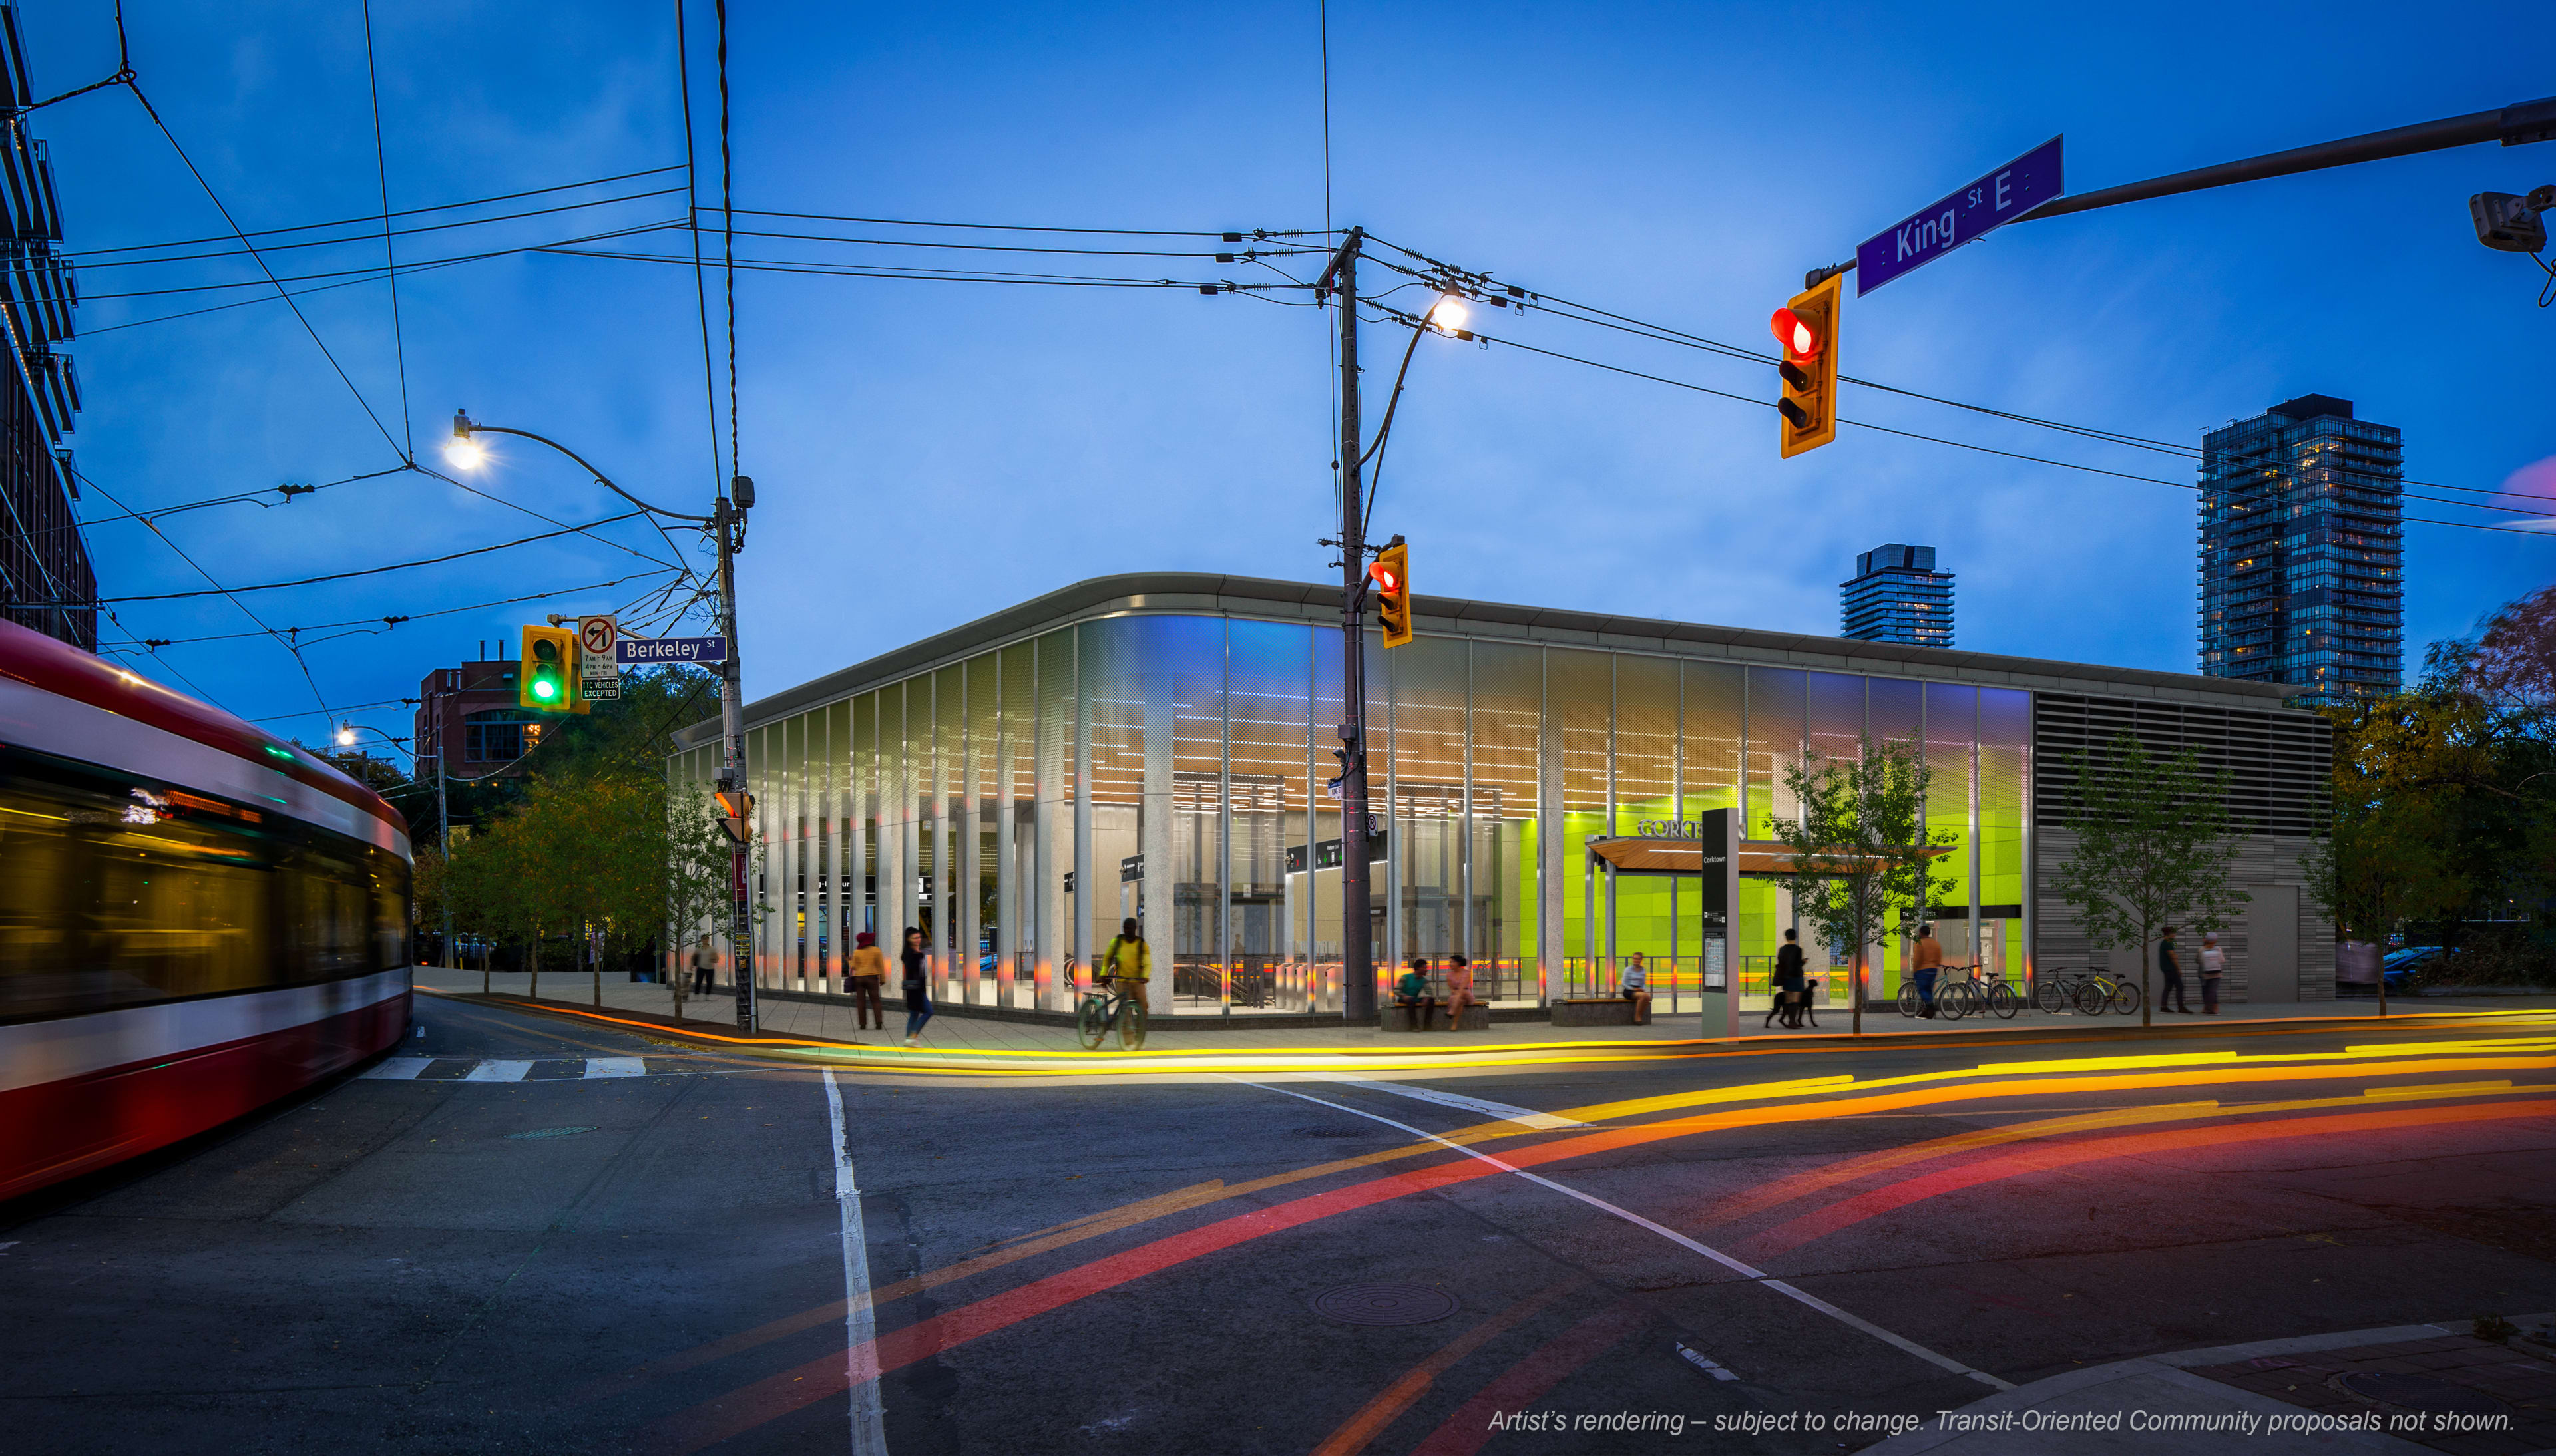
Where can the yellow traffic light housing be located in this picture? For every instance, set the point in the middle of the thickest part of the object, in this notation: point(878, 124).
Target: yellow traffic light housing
point(1807, 330)
point(1391, 574)
point(546, 679)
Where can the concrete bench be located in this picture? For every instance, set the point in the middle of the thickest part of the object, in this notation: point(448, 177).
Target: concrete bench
point(1607, 1011)
point(1397, 1019)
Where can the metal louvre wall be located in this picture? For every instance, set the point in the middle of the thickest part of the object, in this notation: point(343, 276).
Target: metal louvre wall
point(2279, 762)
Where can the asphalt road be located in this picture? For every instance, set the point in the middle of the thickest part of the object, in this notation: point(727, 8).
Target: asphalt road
point(1189, 1266)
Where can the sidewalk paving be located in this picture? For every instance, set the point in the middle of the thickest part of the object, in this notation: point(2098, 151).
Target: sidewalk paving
point(2410, 1388)
point(953, 1031)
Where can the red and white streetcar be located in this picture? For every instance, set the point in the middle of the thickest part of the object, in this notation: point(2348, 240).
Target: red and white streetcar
point(195, 919)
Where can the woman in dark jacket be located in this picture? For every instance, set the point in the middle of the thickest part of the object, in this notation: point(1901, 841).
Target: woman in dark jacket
point(918, 987)
point(1788, 981)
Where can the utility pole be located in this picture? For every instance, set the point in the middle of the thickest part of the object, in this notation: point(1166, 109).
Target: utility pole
point(727, 522)
point(728, 525)
point(1358, 953)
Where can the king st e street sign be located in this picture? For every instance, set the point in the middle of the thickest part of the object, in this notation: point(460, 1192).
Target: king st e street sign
point(1967, 215)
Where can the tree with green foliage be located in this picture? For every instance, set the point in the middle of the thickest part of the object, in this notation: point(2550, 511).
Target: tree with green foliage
point(1859, 852)
point(2154, 843)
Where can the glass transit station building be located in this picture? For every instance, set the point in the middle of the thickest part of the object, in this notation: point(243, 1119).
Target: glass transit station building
point(1160, 744)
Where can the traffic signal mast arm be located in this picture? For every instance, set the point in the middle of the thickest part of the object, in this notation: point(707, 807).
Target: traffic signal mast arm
point(2515, 125)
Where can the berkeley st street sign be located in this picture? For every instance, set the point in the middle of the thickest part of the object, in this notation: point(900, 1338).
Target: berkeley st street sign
point(1967, 215)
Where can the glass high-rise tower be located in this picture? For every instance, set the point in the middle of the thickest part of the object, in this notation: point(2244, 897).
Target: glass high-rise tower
point(1898, 595)
point(2302, 562)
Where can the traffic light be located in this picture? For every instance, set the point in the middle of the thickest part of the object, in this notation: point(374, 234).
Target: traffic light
point(546, 679)
point(735, 806)
point(1392, 577)
point(1807, 329)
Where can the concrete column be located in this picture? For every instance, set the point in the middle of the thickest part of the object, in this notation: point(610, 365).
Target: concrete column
point(1550, 852)
point(968, 862)
point(1088, 893)
point(1008, 901)
point(1052, 817)
point(1154, 836)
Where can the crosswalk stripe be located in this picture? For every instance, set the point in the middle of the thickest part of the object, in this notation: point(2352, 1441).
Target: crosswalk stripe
point(399, 1069)
point(1527, 1116)
point(615, 1067)
point(499, 1072)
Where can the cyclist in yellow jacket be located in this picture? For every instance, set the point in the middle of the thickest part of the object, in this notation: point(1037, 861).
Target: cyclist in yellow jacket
point(1129, 961)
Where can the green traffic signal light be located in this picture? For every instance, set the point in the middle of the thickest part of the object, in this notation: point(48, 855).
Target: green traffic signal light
point(544, 687)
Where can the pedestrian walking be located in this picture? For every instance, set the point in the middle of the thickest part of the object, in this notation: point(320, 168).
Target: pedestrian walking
point(1636, 988)
point(869, 974)
point(2172, 970)
point(705, 966)
point(1790, 992)
point(1928, 963)
point(1460, 991)
point(918, 987)
point(2213, 964)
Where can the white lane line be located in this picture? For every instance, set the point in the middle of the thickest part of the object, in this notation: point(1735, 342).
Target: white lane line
point(860, 1322)
point(616, 1066)
point(499, 1072)
point(1703, 1362)
point(1747, 1271)
point(1526, 1115)
point(398, 1069)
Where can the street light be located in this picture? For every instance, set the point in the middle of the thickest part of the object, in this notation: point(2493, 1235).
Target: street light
point(1450, 313)
point(726, 523)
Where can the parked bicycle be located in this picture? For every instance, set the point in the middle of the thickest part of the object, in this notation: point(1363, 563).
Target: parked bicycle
point(2055, 989)
point(2100, 991)
point(1975, 993)
point(1104, 1005)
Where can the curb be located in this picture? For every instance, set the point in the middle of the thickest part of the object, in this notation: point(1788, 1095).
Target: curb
point(2172, 1369)
point(796, 1049)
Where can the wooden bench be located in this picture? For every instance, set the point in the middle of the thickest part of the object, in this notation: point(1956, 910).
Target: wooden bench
point(1592, 1010)
point(1397, 1019)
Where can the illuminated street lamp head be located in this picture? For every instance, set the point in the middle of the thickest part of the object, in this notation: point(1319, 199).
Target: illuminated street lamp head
point(465, 452)
point(1450, 313)
point(345, 735)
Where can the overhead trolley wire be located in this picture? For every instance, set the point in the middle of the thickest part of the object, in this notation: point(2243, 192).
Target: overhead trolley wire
point(393, 620)
point(1665, 334)
point(134, 85)
point(390, 256)
point(170, 596)
point(691, 226)
point(368, 275)
point(89, 264)
point(88, 255)
point(1262, 234)
point(1410, 320)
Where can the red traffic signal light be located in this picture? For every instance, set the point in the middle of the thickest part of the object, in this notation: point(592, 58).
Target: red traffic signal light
point(1391, 574)
point(1801, 341)
point(735, 806)
point(1386, 578)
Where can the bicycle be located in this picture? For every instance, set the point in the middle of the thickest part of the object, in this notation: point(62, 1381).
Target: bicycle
point(2054, 991)
point(2099, 991)
point(1973, 993)
point(1105, 1004)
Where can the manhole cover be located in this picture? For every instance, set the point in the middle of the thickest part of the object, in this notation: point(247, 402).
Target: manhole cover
point(2421, 1393)
point(549, 1133)
point(1384, 1304)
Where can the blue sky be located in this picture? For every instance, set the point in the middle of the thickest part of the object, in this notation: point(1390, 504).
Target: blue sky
point(928, 452)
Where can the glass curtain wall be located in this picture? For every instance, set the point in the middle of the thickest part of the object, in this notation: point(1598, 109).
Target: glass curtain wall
point(1017, 805)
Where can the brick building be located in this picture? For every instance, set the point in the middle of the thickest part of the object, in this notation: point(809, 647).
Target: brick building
point(472, 708)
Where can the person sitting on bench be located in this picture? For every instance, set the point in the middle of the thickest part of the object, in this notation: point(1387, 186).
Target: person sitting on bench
point(1637, 990)
point(1460, 991)
point(1412, 991)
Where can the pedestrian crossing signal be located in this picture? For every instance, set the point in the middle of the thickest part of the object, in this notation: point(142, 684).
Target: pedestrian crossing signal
point(1807, 330)
point(1391, 574)
point(546, 679)
point(735, 806)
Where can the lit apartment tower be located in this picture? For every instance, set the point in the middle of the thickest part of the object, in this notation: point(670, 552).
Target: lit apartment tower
point(1898, 595)
point(2301, 550)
